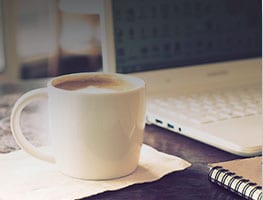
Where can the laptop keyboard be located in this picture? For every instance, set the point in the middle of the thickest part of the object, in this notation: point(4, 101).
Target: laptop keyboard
point(203, 108)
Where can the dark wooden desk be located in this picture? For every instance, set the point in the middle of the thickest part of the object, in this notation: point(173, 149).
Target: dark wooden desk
point(191, 183)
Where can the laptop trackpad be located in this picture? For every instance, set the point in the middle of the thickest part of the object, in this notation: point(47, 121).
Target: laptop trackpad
point(244, 133)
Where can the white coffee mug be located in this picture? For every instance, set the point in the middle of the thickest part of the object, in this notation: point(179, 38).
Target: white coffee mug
point(96, 131)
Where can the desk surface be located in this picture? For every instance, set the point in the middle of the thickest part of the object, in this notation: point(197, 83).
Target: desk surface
point(191, 183)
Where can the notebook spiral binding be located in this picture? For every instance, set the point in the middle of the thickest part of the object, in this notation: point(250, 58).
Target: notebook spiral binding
point(234, 183)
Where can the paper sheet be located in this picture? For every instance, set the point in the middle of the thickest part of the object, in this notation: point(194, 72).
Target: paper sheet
point(24, 177)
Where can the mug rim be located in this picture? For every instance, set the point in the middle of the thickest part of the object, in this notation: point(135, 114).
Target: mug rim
point(140, 83)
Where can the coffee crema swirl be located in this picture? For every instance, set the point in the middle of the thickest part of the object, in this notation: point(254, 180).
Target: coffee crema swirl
point(109, 82)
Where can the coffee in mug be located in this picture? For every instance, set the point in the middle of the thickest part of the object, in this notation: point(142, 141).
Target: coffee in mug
point(96, 124)
point(93, 83)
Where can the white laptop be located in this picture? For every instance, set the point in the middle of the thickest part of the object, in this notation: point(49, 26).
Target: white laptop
point(201, 61)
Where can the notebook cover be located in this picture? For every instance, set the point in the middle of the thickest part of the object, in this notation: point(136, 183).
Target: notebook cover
point(249, 168)
point(242, 176)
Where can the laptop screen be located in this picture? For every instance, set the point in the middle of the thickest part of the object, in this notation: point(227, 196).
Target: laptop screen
point(157, 34)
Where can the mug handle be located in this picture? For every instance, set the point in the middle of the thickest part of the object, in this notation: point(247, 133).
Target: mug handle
point(20, 104)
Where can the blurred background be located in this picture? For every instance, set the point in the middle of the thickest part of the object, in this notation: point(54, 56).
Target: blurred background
point(38, 39)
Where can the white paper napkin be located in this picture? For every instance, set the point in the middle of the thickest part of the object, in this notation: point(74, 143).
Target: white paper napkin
point(23, 177)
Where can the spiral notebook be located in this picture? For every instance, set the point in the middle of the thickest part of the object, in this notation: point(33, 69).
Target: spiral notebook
point(243, 176)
